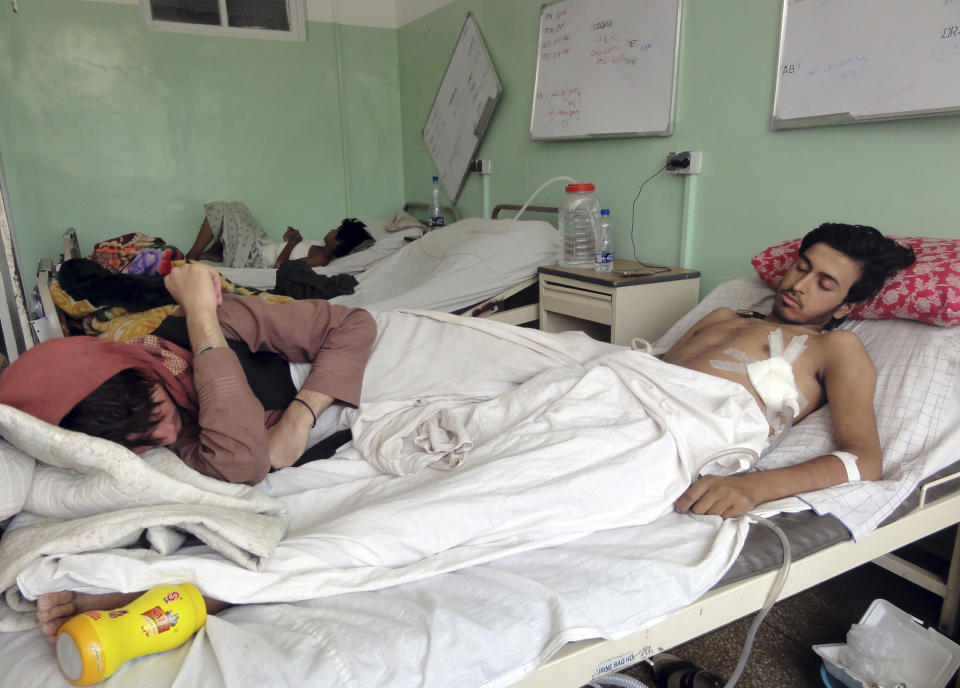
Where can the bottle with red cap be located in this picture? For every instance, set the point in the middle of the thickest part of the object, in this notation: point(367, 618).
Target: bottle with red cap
point(579, 222)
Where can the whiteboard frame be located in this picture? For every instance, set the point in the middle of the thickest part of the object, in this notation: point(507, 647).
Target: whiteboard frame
point(479, 132)
point(780, 124)
point(613, 135)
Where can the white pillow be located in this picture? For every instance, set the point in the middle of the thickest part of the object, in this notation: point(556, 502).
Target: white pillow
point(386, 243)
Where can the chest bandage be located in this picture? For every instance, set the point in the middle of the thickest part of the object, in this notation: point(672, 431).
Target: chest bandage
point(772, 377)
point(849, 463)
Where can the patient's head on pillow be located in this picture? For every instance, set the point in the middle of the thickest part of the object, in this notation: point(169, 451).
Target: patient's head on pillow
point(121, 410)
point(878, 256)
point(350, 235)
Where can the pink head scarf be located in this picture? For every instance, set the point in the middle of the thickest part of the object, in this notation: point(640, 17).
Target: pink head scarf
point(52, 377)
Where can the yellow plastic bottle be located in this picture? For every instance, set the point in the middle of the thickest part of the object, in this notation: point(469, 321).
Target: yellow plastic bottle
point(92, 645)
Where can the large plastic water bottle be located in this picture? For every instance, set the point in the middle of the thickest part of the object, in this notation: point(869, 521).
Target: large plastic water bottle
point(603, 244)
point(436, 217)
point(579, 222)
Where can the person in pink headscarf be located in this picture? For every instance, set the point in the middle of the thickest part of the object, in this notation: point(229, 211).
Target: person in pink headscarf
point(198, 401)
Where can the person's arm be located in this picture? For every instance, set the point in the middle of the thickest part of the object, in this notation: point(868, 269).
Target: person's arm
point(231, 442)
point(292, 237)
point(335, 340)
point(849, 379)
point(318, 256)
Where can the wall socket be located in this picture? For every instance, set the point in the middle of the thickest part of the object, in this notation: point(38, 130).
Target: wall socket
point(684, 162)
point(480, 166)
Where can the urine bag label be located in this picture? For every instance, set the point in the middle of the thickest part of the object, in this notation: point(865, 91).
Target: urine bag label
point(615, 664)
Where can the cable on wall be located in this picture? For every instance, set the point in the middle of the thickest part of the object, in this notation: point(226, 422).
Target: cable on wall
point(341, 92)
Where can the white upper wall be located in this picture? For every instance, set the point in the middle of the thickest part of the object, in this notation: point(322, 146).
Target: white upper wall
point(389, 14)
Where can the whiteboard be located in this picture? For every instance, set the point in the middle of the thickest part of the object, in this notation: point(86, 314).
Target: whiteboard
point(461, 110)
point(606, 68)
point(844, 61)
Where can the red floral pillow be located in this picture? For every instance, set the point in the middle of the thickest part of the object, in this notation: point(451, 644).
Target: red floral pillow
point(928, 290)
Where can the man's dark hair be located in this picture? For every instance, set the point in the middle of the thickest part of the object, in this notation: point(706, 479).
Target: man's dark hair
point(351, 233)
point(878, 256)
point(120, 409)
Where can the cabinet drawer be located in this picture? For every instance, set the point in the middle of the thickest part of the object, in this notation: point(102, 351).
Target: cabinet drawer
point(580, 303)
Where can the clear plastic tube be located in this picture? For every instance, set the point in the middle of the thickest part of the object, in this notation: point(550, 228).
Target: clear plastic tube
point(621, 680)
point(541, 188)
point(772, 596)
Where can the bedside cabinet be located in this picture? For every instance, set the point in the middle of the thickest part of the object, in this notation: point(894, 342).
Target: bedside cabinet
point(614, 308)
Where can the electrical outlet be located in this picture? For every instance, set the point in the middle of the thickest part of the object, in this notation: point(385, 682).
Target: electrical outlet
point(480, 166)
point(685, 162)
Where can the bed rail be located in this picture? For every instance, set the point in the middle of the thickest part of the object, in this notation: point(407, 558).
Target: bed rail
point(499, 208)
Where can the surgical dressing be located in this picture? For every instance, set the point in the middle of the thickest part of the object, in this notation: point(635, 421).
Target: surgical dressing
point(772, 377)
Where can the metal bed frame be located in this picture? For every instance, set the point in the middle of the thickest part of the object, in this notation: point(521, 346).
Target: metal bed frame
point(576, 664)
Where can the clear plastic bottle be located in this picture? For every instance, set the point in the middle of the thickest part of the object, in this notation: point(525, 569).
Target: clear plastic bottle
point(436, 217)
point(579, 221)
point(603, 244)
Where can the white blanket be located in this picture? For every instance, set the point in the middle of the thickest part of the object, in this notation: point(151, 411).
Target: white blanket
point(89, 494)
point(576, 449)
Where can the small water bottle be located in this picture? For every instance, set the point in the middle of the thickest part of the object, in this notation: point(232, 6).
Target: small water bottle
point(579, 222)
point(436, 217)
point(603, 244)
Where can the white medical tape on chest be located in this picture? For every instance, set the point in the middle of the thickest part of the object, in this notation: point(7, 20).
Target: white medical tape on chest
point(850, 463)
point(772, 377)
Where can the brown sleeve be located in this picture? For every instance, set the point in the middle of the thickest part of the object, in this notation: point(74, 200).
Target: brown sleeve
point(231, 440)
point(335, 340)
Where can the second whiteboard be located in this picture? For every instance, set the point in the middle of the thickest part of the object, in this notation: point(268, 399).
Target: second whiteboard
point(606, 68)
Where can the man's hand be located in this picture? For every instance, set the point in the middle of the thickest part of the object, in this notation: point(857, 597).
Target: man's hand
point(292, 234)
point(726, 496)
point(195, 286)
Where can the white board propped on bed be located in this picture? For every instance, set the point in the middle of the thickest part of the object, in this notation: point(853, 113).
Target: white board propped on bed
point(849, 61)
point(606, 68)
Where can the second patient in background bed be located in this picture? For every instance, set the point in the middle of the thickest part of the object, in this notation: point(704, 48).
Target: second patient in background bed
point(230, 234)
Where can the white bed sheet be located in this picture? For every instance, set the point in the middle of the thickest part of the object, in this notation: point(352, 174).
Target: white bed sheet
point(387, 243)
point(488, 624)
point(448, 269)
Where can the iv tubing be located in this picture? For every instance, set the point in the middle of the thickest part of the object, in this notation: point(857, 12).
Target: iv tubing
point(539, 189)
point(775, 591)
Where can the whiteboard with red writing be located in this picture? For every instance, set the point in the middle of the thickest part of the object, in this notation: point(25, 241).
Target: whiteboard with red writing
point(606, 68)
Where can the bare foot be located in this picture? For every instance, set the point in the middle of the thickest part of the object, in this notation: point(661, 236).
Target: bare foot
point(55, 608)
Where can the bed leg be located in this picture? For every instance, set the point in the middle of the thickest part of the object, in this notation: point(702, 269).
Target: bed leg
point(951, 598)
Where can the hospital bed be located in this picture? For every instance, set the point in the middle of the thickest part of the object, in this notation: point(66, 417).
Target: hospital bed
point(559, 615)
point(474, 267)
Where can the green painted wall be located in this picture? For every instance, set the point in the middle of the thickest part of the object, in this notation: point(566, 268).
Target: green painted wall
point(757, 186)
point(110, 128)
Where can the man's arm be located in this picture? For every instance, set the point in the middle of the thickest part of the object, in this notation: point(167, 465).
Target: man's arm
point(232, 441)
point(335, 340)
point(292, 237)
point(849, 379)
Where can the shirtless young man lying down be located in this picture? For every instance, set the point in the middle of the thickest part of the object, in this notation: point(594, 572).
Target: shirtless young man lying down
point(839, 267)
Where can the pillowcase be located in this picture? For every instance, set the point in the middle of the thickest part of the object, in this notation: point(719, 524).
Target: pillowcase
point(928, 290)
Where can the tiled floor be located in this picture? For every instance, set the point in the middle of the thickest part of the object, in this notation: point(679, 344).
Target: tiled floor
point(781, 655)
